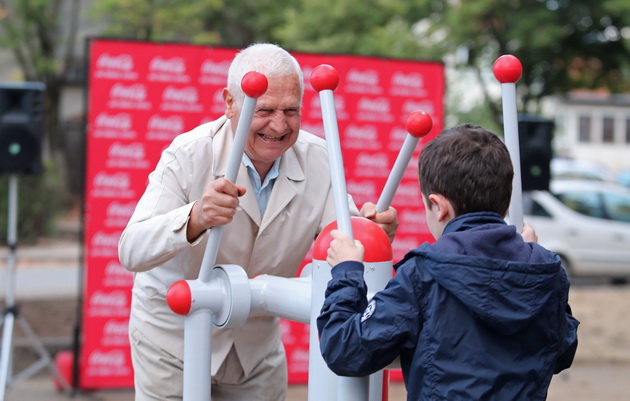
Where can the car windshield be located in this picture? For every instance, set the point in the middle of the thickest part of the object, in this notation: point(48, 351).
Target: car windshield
point(586, 203)
point(617, 206)
point(603, 205)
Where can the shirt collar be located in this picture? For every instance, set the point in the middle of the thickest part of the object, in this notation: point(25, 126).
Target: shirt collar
point(271, 175)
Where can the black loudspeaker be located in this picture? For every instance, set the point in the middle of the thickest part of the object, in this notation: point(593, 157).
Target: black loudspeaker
point(535, 135)
point(21, 127)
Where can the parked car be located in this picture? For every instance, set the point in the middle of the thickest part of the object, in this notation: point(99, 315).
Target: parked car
point(624, 178)
point(562, 167)
point(586, 222)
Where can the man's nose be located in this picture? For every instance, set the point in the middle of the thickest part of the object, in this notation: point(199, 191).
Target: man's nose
point(278, 121)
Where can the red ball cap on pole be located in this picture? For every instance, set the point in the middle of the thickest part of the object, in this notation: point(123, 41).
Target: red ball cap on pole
point(324, 77)
point(419, 123)
point(254, 84)
point(179, 297)
point(507, 69)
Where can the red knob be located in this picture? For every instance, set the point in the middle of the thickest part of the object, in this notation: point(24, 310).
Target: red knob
point(324, 77)
point(419, 123)
point(507, 69)
point(254, 84)
point(179, 297)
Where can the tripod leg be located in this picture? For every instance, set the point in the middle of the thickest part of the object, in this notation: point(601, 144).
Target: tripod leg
point(44, 357)
point(5, 357)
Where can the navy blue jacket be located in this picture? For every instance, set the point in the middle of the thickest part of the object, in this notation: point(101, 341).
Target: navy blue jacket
point(478, 315)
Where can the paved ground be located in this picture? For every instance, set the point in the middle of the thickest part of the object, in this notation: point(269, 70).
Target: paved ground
point(581, 383)
point(48, 291)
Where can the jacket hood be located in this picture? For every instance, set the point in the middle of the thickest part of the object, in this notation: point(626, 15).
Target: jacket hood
point(471, 262)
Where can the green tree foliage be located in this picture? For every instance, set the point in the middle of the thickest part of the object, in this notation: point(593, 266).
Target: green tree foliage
point(234, 23)
point(370, 27)
point(562, 44)
point(153, 20)
point(41, 35)
point(38, 199)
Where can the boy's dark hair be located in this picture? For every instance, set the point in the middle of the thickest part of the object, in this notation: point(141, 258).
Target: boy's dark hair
point(471, 167)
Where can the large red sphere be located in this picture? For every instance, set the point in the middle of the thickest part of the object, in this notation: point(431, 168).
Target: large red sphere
point(507, 69)
point(64, 362)
point(179, 297)
point(374, 240)
point(254, 84)
point(419, 123)
point(324, 77)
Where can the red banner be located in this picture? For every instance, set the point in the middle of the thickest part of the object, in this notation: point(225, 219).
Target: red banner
point(141, 95)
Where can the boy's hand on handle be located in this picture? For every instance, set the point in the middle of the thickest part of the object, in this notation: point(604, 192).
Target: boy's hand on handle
point(216, 207)
point(342, 249)
point(528, 233)
point(387, 220)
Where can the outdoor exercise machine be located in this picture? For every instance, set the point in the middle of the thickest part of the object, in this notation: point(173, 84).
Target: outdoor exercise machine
point(224, 296)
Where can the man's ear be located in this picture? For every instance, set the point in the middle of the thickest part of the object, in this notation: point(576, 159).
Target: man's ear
point(445, 211)
point(228, 100)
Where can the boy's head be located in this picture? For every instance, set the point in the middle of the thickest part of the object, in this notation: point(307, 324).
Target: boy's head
point(470, 167)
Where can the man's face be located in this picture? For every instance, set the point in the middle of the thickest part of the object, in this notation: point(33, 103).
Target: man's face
point(275, 124)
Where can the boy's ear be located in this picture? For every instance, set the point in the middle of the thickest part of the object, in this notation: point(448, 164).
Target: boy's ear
point(445, 211)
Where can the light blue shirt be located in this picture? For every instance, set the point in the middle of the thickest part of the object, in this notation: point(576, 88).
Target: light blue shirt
point(262, 190)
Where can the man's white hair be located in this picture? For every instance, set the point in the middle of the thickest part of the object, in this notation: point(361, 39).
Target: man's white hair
point(266, 58)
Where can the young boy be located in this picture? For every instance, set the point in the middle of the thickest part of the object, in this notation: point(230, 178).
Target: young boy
point(480, 314)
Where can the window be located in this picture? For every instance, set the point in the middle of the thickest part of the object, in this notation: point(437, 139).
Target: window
point(585, 129)
point(586, 203)
point(539, 210)
point(608, 130)
point(617, 206)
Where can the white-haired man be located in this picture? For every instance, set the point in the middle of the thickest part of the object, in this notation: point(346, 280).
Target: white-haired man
point(280, 201)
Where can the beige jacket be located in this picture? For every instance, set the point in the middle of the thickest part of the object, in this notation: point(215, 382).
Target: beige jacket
point(154, 245)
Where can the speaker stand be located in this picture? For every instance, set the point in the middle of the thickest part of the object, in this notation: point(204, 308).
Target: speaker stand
point(11, 313)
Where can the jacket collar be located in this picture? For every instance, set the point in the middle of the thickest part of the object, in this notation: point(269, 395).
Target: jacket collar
point(469, 220)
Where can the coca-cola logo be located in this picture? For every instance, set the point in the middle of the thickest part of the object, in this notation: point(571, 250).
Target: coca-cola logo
point(414, 105)
point(120, 180)
point(119, 209)
point(119, 121)
point(113, 358)
point(307, 71)
point(114, 268)
point(116, 328)
point(299, 355)
point(133, 150)
point(340, 103)
point(169, 124)
point(413, 217)
point(377, 160)
point(187, 94)
point(136, 92)
point(211, 67)
point(411, 80)
point(117, 299)
point(110, 240)
point(410, 190)
point(367, 77)
point(398, 134)
point(376, 105)
point(174, 65)
point(365, 132)
point(121, 62)
point(365, 189)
